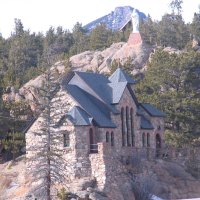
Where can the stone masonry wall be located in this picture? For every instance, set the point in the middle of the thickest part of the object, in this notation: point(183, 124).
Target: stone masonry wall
point(110, 160)
point(61, 103)
point(111, 173)
point(126, 101)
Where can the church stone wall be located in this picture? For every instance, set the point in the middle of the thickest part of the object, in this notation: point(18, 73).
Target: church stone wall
point(127, 101)
point(110, 160)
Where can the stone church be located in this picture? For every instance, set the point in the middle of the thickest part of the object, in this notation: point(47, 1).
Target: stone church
point(100, 122)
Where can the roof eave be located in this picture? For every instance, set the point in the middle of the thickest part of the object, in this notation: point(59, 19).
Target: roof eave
point(152, 115)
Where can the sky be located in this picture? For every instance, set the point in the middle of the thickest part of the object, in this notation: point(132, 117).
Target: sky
point(39, 15)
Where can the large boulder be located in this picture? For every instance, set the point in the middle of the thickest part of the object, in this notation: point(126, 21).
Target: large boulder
point(101, 61)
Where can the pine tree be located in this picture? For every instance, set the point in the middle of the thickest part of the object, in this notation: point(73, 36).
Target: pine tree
point(14, 142)
point(195, 26)
point(46, 161)
point(176, 6)
point(99, 37)
point(80, 40)
point(171, 83)
point(149, 30)
point(173, 32)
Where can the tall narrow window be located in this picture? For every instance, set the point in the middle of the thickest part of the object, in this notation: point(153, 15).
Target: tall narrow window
point(132, 128)
point(93, 145)
point(143, 140)
point(66, 141)
point(158, 141)
point(112, 139)
point(158, 145)
point(107, 137)
point(148, 140)
point(123, 130)
point(127, 127)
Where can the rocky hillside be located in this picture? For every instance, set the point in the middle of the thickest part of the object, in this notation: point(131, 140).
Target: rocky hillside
point(97, 61)
point(116, 19)
point(137, 57)
point(165, 179)
point(101, 61)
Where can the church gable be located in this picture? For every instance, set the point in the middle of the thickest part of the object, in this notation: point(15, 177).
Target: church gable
point(127, 100)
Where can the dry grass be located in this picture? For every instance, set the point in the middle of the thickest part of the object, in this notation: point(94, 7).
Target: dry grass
point(5, 181)
point(11, 172)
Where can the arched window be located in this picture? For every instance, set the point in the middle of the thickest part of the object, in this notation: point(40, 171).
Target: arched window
point(127, 126)
point(143, 140)
point(123, 130)
point(158, 145)
point(158, 141)
point(93, 146)
point(148, 140)
point(112, 139)
point(107, 137)
point(132, 128)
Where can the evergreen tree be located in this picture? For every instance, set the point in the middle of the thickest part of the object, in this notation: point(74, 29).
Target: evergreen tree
point(19, 28)
point(173, 32)
point(149, 30)
point(46, 154)
point(195, 26)
point(13, 143)
point(63, 41)
point(171, 83)
point(176, 6)
point(24, 52)
point(80, 39)
point(99, 37)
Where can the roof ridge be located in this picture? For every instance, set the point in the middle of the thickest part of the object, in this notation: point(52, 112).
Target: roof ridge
point(120, 76)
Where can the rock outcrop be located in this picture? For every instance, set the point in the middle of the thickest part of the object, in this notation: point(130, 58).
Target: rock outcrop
point(29, 92)
point(101, 61)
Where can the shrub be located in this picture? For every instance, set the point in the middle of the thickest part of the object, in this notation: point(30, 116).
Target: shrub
point(143, 187)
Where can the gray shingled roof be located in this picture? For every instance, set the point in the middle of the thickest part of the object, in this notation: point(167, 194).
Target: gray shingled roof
point(152, 110)
point(140, 111)
point(97, 95)
point(79, 117)
point(145, 123)
point(120, 76)
point(94, 107)
point(97, 85)
point(117, 91)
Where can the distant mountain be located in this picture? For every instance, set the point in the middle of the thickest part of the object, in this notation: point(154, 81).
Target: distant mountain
point(116, 19)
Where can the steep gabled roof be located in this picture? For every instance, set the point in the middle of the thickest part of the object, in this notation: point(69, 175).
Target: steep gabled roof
point(117, 91)
point(79, 117)
point(96, 96)
point(97, 85)
point(152, 110)
point(93, 106)
point(119, 80)
point(120, 76)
